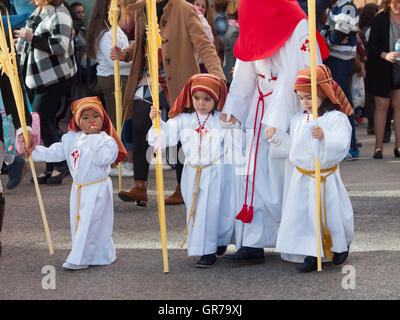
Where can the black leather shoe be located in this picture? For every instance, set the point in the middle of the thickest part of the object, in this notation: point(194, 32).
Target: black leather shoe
point(207, 261)
point(43, 179)
point(339, 258)
point(378, 154)
point(396, 153)
point(221, 250)
point(56, 179)
point(247, 255)
point(309, 264)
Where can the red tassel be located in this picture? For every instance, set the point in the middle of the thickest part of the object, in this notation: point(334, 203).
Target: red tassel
point(242, 212)
point(248, 218)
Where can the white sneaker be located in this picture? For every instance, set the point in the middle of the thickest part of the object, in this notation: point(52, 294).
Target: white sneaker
point(126, 169)
point(114, 172)
point(71, 266)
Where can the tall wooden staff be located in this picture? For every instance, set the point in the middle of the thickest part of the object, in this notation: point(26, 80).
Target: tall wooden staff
point(313, 66)
point(113, 19)
point(153, 44)
point(8, 64)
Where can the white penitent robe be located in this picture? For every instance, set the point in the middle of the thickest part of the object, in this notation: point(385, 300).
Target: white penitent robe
point(210, 227)
point(89, 159)
point(298, 230)
point(274, 76)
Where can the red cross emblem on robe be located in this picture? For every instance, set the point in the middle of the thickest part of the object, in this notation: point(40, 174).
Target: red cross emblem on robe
point(75, 155)
point(305, 46)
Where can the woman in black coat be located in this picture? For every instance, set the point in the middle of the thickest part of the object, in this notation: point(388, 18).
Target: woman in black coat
point(385, 31)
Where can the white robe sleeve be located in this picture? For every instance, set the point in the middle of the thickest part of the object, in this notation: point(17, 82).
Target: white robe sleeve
point(54, 153)
point(169, 133)
point(102, 146)
point(294, 57)
point(336, 142)
point(241, 91)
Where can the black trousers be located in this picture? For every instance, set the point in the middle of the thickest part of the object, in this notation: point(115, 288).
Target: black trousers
point(141, 124)
point(46, 101)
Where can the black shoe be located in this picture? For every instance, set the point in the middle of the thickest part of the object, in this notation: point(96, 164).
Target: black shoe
point(16, 171)
point(396, 153)
point(247, 255)
point(339, 258)
point(309, 264)
point(207, 261)
point(221, 250)
point(56, 179)
point(378, 154)
point(4, 168)
point(43, 179)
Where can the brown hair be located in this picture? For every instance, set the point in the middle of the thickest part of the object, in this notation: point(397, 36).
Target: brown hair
point(232, 9)
point(97, 27)
point(386, 4)
point(220, 5)
point(367, 14)
point(53, 3)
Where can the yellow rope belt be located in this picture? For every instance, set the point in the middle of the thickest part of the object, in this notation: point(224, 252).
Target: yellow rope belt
point(326, 237)
point(79, 186)
point(194, 201)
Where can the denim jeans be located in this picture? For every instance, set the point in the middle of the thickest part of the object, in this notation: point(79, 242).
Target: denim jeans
point(342, 71)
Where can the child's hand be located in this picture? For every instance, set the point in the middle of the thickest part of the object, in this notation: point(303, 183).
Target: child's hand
point(93, 129)
point(318, 133)
point(27, 147)
point(224, 118)
point(153, 113)
point(270, 132)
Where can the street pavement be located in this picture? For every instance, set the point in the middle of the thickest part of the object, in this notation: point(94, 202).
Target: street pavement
point(371, 272)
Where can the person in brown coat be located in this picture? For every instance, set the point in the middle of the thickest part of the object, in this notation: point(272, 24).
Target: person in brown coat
point(183, 42)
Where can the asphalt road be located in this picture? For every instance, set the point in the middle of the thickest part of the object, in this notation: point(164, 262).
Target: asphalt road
point(371, 272)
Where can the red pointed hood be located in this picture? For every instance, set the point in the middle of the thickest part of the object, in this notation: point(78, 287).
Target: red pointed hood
point(265, 25)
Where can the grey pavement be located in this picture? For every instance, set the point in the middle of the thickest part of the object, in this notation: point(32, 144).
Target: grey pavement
point(371, 272)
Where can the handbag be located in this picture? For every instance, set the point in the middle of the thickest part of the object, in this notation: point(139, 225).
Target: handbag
point(8, 130)
point(396, 75)
point(20, 148)
point(12, 145)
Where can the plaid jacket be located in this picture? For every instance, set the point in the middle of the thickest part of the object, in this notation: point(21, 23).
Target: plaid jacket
point(49, 58)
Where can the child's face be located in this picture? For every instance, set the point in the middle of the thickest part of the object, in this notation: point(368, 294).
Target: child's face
point(90, 121)
point(306, 101)
point(201, 4)
point(202, 102)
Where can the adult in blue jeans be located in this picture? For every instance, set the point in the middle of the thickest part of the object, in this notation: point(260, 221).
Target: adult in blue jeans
point(342, 71)
point(340, 34)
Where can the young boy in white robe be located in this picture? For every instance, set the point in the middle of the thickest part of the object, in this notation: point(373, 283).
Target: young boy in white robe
point(329, 139)
point(194, 120)
point(90, 147)
point(270, 51)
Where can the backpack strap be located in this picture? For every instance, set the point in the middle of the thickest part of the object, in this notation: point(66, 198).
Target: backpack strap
point(2, 110)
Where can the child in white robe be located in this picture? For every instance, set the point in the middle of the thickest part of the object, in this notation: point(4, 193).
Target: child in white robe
point(194, 120)
point(90, 148)
point(269, 51)
point(329, 139)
